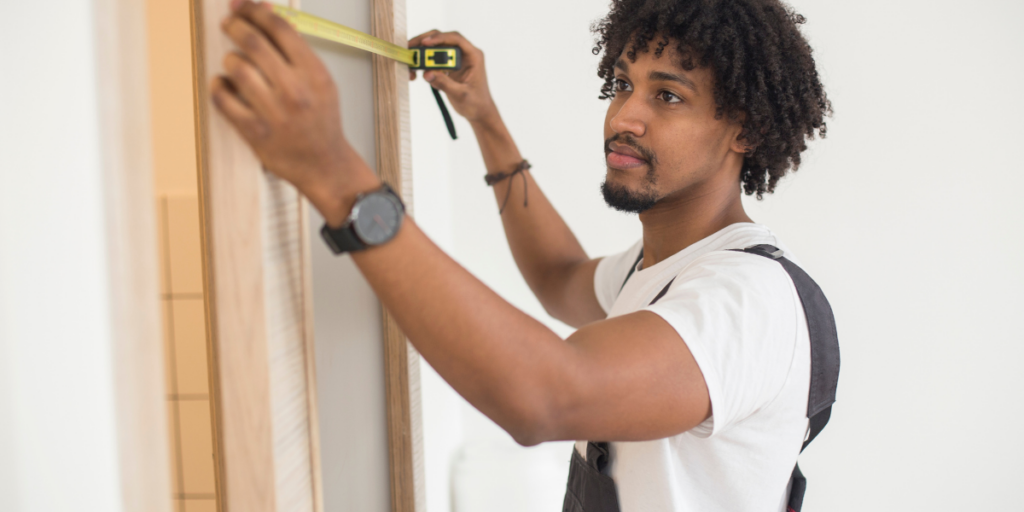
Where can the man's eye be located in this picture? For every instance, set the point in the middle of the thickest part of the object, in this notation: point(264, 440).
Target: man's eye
point(668, 97)
point(621, 85)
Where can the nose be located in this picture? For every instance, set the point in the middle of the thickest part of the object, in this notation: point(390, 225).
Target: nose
point(629, 118)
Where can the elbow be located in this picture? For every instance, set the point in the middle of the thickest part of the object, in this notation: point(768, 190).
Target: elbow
point(552, 301)
point(558, 310)
point(554, 311)
point(534, 425)
point(530, 433)
point(526, 439)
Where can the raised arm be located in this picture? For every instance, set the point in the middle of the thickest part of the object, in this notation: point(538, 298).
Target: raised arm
point(548, 255)
point(511, 367)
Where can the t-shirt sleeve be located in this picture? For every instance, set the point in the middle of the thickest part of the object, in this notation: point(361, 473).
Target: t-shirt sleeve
point(737, 314)
point(610, 274)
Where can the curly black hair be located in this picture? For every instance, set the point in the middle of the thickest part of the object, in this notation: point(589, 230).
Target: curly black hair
point(763, 70)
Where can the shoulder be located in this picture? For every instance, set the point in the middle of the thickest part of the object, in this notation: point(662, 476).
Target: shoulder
point(739, 315)
point(733, 300)
point(736, 272)
point(732, 292)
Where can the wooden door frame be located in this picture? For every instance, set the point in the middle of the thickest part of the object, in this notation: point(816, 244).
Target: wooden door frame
point(233, 201)
point(401, 361)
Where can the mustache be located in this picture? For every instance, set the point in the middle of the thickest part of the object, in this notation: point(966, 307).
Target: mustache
point(628, 140)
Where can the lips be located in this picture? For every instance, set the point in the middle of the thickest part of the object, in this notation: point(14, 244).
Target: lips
point(623, 157)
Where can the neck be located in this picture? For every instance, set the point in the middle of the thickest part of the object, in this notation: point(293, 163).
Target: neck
point(688, 216)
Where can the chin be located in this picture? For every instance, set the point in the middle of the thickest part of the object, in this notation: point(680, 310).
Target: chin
point(626, 197)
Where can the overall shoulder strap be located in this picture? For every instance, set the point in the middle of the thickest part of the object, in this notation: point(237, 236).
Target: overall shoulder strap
point(632, 269)
point(821, 326)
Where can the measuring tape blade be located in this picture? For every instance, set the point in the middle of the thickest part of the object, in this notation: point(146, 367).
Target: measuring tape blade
point(319, 27)
point(447, 58)
point(420, 57)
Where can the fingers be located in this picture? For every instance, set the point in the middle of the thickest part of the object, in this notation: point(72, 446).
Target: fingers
point(452, 39)
point(445, 84)
point(278, 31)
point(416, 41)
point(257, 48)
point(250, 85)
point(235, 110)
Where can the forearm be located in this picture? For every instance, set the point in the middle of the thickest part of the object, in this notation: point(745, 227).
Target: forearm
point(501, 360)
point(504, 362)
point(544, 248)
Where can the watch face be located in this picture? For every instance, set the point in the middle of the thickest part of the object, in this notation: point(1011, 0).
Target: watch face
point(377, 218)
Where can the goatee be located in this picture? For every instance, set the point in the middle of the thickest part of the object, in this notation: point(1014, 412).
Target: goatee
point(625, 200)
point(620, 197)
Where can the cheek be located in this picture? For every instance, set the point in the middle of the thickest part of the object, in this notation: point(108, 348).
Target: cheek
point(686, 153)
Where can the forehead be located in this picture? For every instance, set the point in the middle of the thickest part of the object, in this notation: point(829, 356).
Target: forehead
point(666, 65)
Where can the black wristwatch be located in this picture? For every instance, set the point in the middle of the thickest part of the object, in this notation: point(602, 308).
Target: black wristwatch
point(375, 219)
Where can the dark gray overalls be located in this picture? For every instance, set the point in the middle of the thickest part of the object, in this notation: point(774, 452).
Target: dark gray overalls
point(591, 489)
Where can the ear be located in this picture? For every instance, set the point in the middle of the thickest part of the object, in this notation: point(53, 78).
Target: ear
point(738, 143)
point(741, 146)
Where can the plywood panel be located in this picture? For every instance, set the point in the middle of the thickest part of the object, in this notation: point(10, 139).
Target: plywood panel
point(284, 288)
point(256, 267)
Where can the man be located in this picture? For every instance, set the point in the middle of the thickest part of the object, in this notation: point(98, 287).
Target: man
point(691, 359)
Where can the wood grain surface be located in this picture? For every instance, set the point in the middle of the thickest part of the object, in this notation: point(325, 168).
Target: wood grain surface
point(256, 269)
point(391, 109)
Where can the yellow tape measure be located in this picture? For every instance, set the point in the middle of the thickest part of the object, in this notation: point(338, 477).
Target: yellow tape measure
point(449, 58)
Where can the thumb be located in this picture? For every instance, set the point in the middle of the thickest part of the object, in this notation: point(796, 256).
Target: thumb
point(444, 83)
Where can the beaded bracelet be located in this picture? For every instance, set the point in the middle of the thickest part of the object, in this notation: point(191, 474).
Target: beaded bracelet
point(494, 178)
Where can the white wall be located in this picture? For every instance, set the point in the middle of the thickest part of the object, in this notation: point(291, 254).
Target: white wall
point(349, 350)
point(72, 144)
point(907, 215)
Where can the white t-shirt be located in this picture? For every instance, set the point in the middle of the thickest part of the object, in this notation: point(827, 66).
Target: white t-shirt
point(741, 318)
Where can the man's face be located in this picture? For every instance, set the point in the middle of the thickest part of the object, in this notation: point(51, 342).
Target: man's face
point(662, 140)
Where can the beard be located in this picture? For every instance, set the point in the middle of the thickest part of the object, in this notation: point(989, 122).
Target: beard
point(625, 200)
point(622, 198)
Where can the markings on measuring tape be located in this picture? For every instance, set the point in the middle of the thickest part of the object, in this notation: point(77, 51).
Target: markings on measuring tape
point(420, 57)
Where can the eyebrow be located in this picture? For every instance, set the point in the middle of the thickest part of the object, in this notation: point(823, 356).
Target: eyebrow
point(661, 76)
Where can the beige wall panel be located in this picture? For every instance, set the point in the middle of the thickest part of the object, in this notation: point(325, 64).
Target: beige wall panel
point(193, 505)
point(190, 348)
point(184, 252)
point(197, 462)
point(171, 107)
point(168, 343)
point(174, 447)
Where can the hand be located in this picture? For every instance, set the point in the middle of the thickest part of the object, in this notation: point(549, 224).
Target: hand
point(466, 88)
point(281, 99)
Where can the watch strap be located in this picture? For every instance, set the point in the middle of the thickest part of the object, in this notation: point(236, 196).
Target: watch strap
point(342, 239)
